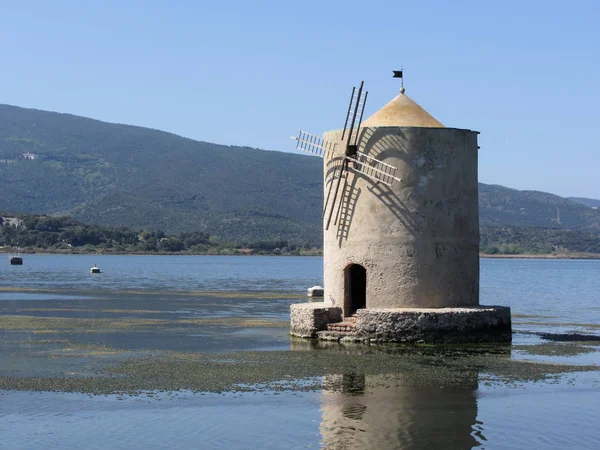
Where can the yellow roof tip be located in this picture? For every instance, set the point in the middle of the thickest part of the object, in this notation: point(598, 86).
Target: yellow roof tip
point(402, 111)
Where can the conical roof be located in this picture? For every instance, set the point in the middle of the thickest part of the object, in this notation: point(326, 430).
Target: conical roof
point(402, 111)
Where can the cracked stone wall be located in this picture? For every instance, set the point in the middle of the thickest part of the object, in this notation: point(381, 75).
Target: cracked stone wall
point(306, 319)
point(419, 239)
point(439, 325)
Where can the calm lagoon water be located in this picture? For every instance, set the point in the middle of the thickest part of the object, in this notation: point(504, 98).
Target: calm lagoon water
point(59, 322)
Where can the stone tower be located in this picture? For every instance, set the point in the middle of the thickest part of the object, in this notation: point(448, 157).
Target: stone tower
point(416, 243)
point(401, 259)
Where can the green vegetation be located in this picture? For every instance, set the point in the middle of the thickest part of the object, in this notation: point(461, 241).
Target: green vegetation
point(118, 371)
point(509, 240)
point(64, 234)
point(499, 205)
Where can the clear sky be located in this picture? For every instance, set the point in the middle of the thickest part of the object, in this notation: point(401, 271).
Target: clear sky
point(523, 73)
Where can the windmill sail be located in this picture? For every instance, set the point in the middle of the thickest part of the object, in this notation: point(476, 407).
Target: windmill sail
point(350, 161)
point(333, 178)
point(342, 173)
point(311, 143)
point(373, 169)
point(358, 100)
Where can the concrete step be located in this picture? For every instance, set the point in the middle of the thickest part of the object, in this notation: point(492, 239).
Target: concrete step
point(342, 327)
point(340, 336)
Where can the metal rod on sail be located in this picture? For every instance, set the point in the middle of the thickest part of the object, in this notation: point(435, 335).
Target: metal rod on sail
point(329, 192)
point(354, 114)
point(348, 113)
point(361, 116)
point(337, 214)
point(337, 187)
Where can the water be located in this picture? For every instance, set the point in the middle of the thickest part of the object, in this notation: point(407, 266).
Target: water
point(553, 292)
point(165, 273)
point(59, 322)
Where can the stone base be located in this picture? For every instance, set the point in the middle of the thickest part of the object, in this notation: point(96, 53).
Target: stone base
point(306, 319)
point(429, 325)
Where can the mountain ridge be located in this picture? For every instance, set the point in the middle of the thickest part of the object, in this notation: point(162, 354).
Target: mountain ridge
point(115, 174)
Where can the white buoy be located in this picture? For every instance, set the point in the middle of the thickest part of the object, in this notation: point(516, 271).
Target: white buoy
point(95, 269)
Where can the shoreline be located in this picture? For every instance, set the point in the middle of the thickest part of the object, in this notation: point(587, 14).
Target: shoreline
point(308, 253)
point(543, 256)
point(105, 253)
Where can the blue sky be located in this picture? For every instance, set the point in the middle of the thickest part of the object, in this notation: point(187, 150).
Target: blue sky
point(523, 73)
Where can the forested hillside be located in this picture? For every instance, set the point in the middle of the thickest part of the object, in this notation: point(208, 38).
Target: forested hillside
point(511, 240)
point(122, 175)
point(499, 205)
point(64, 234)
point(130, 176)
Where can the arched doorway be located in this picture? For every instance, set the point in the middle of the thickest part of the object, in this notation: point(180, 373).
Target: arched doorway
point(355, 289)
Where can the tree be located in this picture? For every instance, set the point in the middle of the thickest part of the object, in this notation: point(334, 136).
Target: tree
point(171, 244)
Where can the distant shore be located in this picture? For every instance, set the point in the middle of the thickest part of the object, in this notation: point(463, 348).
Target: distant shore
point(544, 256)
point(44, 251)
point(311, 252)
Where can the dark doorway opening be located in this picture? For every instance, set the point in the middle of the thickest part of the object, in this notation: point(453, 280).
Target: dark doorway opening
point(355, 289)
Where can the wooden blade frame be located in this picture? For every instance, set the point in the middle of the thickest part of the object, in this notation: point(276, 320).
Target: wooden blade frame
point(363, 164)
point(315, 145)
point(335, 169)
point(357, 102)
point(337, 188)
point(373, 169)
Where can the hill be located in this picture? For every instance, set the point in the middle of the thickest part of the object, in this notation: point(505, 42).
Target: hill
point(123, 175)
point(499, 205)
point(589, 202)
point(509, 240)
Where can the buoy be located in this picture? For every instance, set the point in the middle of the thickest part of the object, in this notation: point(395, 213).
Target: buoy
point(316, 291)
point(95, 269)
point(15, 259)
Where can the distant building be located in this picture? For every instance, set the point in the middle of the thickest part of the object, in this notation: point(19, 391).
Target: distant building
point(31, 156)
point(10, 221)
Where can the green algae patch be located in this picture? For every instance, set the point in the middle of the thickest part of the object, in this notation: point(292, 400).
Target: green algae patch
point(60, 324)
point(216, 294)
point(127, 292)
point(28, 290)
point(234, 322)
point(590, 326)
point(35, 341)
point(298, 370)
point(87, 350)
point(531, 316)
point(88, 310)
point(555, 349)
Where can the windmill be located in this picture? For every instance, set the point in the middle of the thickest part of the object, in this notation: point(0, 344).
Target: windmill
point(411, 261)
point(352, 160)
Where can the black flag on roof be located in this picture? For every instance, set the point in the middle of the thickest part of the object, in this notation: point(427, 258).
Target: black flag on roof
point(397, 74)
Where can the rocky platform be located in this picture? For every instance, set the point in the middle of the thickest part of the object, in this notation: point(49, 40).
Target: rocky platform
point(411, 325)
